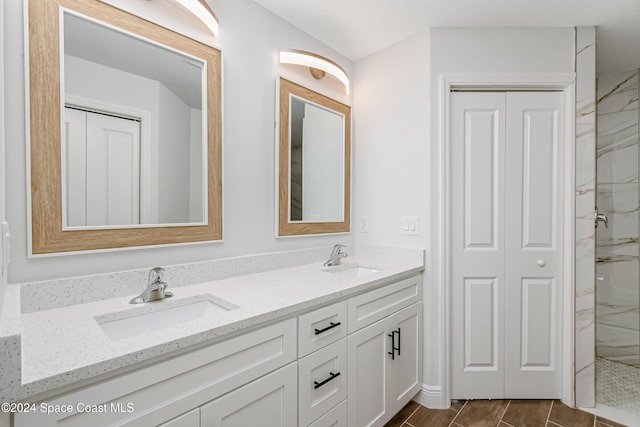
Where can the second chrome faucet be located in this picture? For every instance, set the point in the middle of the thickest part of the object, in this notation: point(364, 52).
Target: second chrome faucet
point(336, 256)
point(155, 288)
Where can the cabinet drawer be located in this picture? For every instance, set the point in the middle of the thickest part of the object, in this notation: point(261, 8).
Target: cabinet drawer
point(372, 306)
point(322, 379)
point(321, 327)
point(337, 417)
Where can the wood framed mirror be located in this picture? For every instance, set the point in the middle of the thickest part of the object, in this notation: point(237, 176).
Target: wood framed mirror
point(314, 162)
point(70, 44)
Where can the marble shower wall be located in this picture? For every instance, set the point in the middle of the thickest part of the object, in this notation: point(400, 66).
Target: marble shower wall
point(585, 202)
point(618, 197)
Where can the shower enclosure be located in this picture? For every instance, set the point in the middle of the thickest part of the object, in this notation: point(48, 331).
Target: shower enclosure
point(618, 247)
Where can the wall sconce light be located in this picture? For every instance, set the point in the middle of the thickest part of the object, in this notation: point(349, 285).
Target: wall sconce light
point(318, 65)
point(201, 9)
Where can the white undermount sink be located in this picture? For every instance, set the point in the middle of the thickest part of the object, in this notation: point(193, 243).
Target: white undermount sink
point(161, 314)
point(352, 271)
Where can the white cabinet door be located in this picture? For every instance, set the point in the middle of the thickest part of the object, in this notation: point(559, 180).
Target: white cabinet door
point(270, 401)
point(366, 383)
point(406, 374)
point(190, 419)
point(506, 238)
point(385, 367)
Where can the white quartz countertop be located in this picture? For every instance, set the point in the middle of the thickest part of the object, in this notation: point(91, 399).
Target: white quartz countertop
point(66, 345)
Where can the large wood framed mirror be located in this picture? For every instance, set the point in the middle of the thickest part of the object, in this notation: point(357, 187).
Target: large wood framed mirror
point(125, 131)
point(314, 162)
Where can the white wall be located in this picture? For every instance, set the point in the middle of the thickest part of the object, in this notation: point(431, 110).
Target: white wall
point(99, 82)
point(391, 141)
point(502, 50)
point(173, 158)
point(250, 38)
point(396, 150)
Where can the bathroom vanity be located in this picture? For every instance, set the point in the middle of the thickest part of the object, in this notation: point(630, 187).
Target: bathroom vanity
point(301, 346)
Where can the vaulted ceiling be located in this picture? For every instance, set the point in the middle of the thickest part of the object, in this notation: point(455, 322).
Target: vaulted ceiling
point(357, 28)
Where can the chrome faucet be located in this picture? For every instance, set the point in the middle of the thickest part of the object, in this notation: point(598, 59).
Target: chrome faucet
point(155, 288)
point(336, 256)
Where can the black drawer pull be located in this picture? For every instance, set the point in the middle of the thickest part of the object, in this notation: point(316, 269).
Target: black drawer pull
point(392, 335)
point(331, 326)
point(317, 385)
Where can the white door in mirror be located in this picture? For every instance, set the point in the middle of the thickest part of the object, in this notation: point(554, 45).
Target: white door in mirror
point(322, 164)
point(103, 169)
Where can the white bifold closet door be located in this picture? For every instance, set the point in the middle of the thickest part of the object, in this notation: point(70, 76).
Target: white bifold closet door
point(102, 169)
point(506, 235)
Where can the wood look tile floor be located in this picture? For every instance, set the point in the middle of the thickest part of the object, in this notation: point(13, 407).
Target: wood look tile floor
point(498, 413)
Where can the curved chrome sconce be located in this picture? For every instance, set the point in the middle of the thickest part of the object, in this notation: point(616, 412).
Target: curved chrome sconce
point(203, 12)
point(317, 64)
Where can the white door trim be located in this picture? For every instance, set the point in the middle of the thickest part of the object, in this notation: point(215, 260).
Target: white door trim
point(441, 201)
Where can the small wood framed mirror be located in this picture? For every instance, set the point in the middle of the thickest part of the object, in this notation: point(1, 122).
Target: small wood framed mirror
point(314, 163)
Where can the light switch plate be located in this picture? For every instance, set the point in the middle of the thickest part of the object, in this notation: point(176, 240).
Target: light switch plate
point(410, 225)
point(363, 227)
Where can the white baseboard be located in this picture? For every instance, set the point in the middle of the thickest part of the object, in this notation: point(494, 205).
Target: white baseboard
point(432, 397)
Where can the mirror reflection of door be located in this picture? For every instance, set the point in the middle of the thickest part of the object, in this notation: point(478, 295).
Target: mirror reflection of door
point(317, 159)
point(102, 154)
point(107, 70)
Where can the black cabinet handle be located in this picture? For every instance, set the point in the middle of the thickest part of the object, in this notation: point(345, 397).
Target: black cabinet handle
point(331, 326)
point(317, 385)
point(392, 335)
